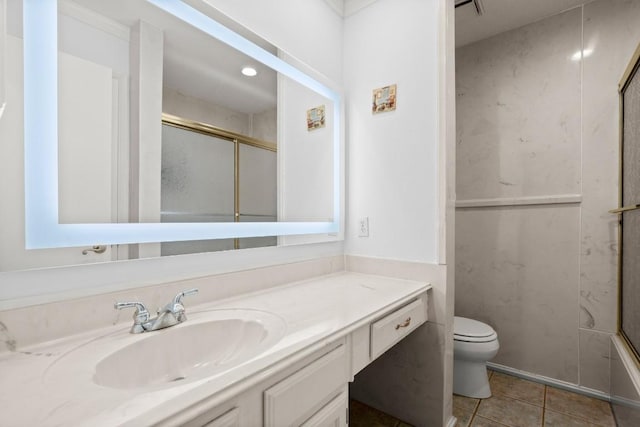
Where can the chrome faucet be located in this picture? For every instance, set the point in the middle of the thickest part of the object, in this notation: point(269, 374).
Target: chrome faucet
point(172, 314)
point(140, 316)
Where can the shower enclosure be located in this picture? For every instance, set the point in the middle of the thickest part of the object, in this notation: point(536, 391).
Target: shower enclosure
point(629, 211)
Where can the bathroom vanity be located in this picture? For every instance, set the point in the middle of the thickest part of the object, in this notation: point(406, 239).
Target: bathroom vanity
point(282, 356)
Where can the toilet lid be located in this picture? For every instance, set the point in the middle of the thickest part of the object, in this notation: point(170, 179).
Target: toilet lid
point(465, 329)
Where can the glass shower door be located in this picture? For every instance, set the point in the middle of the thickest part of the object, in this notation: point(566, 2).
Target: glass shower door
point(629, 264)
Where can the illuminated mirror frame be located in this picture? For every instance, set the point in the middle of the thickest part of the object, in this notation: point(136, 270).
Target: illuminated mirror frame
point(42, 227)
point(3, 29)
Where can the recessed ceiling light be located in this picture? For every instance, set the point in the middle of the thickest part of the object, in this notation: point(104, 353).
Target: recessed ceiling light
point(249, 71)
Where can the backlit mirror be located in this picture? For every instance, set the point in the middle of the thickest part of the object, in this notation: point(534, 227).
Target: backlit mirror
point(93, 130)
point(3, 22)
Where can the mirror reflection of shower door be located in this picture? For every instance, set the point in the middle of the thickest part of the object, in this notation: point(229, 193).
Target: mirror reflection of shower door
point(629, 276)
point(197, 185)
point(213, 175)
point(257, 192)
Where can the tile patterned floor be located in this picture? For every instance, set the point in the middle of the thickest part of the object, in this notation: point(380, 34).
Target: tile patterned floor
point(515, 403)
point(520, 403)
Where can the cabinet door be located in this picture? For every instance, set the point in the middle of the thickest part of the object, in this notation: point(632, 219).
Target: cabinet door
point(333, 414)
point(300, 395)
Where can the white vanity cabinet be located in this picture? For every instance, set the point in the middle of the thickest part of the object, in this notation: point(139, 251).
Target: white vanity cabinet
point(310, 339)
point(314, 391)
point(333, 414)
point(371, 340)
point(296, 399)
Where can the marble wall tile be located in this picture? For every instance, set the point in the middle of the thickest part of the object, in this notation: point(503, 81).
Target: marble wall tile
point(611, 34)
point(598, 270)
point(518, 111)
point(517, 270)
point(594, 360)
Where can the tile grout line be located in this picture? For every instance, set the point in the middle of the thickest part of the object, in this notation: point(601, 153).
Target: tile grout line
point(546, 391)
point(525, 400)
point(521, 400)
point(580, 211)
point(473, 413)
point(475, 409)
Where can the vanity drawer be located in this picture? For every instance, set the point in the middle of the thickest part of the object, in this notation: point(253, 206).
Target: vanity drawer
point(395, 326)
point(229, 419)
point(300, 395)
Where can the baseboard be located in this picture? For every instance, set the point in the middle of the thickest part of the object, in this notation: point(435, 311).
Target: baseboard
point(621, 401)
point(549, 381)
point(452, 422)
point(624, 355)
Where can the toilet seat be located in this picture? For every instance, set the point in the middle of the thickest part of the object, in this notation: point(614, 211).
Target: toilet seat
point(469, 330)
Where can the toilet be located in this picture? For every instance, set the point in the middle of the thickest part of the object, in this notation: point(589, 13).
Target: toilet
point(474, 343)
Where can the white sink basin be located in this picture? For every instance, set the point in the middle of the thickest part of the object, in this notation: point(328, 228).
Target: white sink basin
point(198, 348)
point(208, 343)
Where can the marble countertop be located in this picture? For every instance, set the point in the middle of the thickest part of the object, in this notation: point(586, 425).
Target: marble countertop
point(51, 384)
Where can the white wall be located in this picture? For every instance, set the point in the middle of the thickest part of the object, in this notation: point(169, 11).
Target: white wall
point(305, 158)
point(187, 107)
point(396, 178)
point(261, 125)
point(392, 169)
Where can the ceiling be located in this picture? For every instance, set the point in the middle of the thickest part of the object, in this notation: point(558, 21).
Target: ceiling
point(504, 15)
point(193, 62)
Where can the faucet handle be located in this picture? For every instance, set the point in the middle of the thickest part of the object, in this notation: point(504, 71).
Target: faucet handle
point(178, 298)
point(140, 317)
point(176, 306)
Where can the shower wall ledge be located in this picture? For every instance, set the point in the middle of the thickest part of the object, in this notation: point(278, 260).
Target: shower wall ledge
point(558, 199)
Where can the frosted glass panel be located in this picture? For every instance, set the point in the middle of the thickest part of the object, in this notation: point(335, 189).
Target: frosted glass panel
point(630, 250)
point(631, 142)
point(258, 192)
point(631, 277)
point(197, 177)
point(197, 185)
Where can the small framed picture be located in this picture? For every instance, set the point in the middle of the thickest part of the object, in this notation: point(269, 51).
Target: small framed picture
point(315, 118)
point(384, 99)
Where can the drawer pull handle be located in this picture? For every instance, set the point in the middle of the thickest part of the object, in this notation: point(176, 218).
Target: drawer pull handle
point(404, 324)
